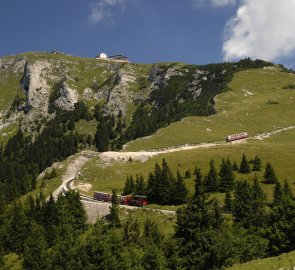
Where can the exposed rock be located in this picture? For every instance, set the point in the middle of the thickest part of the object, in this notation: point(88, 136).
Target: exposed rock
point(172, 72)
point(120, 95)
point(15, 64)
point(35, 85)
point(67, 98)
point(87, 93)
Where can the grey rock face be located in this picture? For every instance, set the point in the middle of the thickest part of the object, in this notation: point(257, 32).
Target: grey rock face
point(67, 98)
point(120, 95)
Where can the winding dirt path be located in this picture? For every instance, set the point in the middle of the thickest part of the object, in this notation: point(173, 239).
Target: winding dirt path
point(95, 208)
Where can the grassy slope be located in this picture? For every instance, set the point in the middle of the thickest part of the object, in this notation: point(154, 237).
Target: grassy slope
point(237, 111)
point(278, 150)
point(282, 262)
point(164, 222)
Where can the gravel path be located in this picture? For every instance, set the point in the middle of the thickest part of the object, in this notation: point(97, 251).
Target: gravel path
point(97, 209)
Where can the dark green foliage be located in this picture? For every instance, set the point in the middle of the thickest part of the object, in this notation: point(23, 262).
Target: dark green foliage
point(180, 190)
point(36, 255)
point(164, 188)
point(140, 186)
point(249, 204)
point(153, 258)
point(187, 174)
point(256, 164)
point(277, 193)
point(269, 174)
point(102, 137)
point(227, 202)
point(199, 188)
point(23, 159)
point(244, 166)
point(235, 166)
point(211, 180)
point(129, 187)
point(131, 230)
point(197, 225)
point(113, 217)
point(227, 178)
point(280, 230)
point(151, 232)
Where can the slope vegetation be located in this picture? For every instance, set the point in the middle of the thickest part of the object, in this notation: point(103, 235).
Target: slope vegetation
point(259, 101)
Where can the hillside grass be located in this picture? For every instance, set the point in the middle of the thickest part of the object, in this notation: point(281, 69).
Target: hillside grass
point(8, 132)
point(282, 262)
point(86, 127)
point(9, 87)
point(165, 222)
point(277, 149)
point(245, 107)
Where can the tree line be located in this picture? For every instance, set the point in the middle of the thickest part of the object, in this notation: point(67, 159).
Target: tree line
point(54, 234)
point(162, 187)
point(25, 156)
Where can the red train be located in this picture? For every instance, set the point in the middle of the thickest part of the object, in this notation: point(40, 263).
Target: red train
point(137, 200)
point(238, 136)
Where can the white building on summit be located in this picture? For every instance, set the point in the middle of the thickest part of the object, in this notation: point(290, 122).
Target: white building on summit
point(117, 57)
point(102, 56)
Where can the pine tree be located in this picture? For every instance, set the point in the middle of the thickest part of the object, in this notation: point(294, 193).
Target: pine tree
point(180, 190)
point(151, 232)
point(257, 204)
point(277, 193)
point(244, 166)
point(131, 230)
point(227, 202)
point(153, 258)
point(35, 249)
point(166, 184)
point(153, 192)
point(211, 181)
point(235, 166)
point(140, 185)
point(226, 174)
point(256, 164)
point(241, 205)
point(269, 174)
point(196, 226)
point(114, 211)
point(199, 189)
point(102, 137)
point(129, 187)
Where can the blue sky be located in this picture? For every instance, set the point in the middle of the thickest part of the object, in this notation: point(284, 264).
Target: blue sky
point(192, 31)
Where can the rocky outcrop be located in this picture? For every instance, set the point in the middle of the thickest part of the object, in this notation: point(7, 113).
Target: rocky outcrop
point(37, 92)
point(67, 98)
point(16, 64)
point(35, 85)
point(120, 95)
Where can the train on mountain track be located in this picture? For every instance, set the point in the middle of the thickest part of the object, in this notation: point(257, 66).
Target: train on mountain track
point(238, 136)
point(137, 200)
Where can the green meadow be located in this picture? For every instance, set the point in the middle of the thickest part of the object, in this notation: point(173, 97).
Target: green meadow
point(257, 102)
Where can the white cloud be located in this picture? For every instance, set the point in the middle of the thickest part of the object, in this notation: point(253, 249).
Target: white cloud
point(214, 3)
point(100, 11)
point(261, 29)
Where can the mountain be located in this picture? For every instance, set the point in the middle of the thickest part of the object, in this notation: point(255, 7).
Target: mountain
point(75, 123)
point(37, 87)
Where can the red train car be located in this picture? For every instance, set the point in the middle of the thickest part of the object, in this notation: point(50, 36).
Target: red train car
point(125, 199)
point(238, 136)
point(138, 200)
point(101, 196)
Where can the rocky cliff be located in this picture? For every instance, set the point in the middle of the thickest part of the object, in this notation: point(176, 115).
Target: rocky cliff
point(34, 86)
